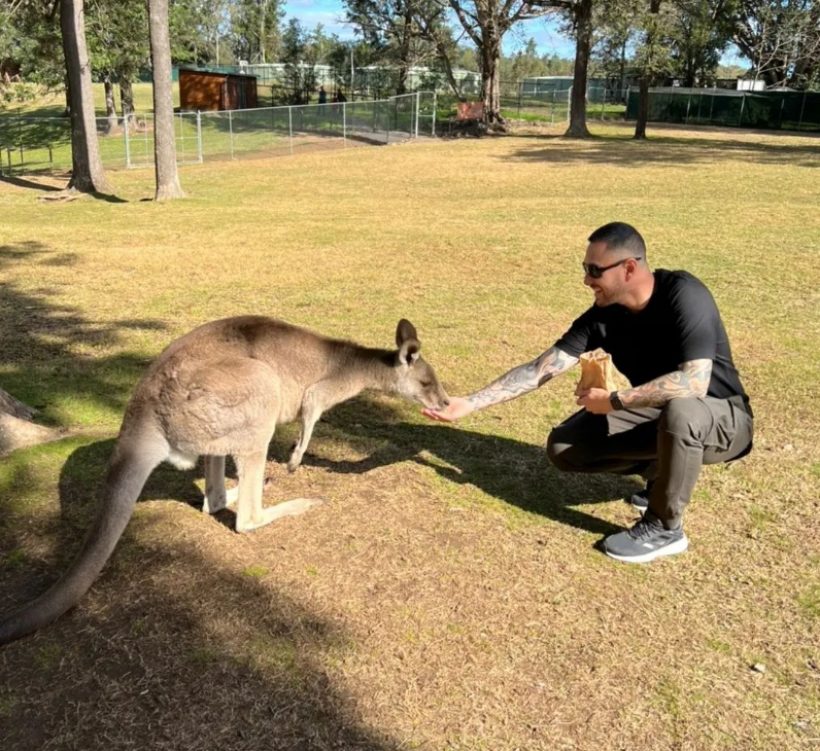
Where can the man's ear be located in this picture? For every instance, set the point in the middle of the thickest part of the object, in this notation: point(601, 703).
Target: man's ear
point(409, 351)
point(404, 331)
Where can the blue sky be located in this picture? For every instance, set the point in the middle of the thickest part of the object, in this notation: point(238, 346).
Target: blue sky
point(548, 39)
point(330, 13)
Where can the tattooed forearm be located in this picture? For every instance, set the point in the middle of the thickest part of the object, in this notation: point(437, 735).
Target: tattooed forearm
point(691, 380)
point(524, 378)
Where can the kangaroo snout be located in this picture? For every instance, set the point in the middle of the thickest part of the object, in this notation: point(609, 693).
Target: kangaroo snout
point(438, 403)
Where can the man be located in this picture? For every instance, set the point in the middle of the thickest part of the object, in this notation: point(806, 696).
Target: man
point(686, 407)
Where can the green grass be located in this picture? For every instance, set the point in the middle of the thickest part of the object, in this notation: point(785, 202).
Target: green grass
point(448, 594)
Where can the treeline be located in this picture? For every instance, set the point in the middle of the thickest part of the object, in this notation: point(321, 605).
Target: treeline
point(644, 42)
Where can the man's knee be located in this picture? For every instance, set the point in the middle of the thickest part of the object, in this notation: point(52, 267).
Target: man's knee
point(686, 416)
point(558, 452)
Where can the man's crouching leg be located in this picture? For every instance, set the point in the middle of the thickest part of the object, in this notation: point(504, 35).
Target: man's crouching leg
point(687, 426)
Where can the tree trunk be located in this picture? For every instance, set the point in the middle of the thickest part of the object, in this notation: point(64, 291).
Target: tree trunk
point(404, 50)
point(646, 75)
point(643, 108)
point(583, 43)
point(110, 105)
point(127, 100)
point(16, 427)
point(448, 69)
point(490, 59)
point(87, 174)
point(165, 150)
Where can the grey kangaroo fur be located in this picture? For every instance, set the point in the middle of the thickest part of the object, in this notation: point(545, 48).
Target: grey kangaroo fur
point(221, 390)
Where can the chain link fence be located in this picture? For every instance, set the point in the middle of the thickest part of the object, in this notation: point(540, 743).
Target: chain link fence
point(772, 110)
point(44, 143)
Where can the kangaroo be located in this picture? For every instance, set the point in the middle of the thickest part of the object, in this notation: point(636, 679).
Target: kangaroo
point(221, 390)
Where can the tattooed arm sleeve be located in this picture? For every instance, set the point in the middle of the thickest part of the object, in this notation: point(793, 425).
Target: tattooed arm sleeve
point(523, 379)
point(691, 380)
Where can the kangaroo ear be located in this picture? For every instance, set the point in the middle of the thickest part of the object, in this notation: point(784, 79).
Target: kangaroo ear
point(409, 351)
point(404, 331)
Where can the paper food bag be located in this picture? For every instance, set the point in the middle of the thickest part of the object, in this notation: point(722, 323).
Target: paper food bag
point(597, 371)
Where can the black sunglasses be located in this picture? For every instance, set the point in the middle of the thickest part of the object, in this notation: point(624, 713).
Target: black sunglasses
point(596, 272)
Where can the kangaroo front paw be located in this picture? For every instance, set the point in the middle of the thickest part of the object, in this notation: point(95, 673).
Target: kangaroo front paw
point(293, 463)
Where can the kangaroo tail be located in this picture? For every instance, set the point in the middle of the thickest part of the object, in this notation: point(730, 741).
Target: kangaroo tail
point(127, 474)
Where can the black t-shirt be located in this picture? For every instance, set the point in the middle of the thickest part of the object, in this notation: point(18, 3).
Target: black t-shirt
point(681, 322)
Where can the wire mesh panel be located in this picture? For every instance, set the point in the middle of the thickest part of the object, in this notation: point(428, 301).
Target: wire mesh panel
point(428, 118)
point(186, 130)
point(216, 133)
point(250, 132)
point(34, 143)
point(772, 110)
point(28, 144)
point(317, 125)
point(549, 105)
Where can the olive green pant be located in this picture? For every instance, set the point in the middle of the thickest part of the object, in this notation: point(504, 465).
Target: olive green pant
point(666, 444)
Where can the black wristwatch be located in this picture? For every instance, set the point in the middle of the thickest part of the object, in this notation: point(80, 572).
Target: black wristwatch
point(615, 401)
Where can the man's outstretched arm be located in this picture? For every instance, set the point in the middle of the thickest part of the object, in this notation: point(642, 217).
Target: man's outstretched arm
point(517, 382)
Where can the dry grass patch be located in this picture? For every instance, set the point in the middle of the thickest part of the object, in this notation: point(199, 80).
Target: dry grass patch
point(449, 594)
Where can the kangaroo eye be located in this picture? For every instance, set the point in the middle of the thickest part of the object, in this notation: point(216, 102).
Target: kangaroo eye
point(426, 384)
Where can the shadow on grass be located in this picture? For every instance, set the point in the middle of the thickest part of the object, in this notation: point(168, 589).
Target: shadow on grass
point(38, 337)
point(622, 151)
point(511, 471)
point(21, 182)
point(173, 648)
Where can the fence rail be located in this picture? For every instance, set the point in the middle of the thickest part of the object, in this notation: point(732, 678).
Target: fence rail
point(44, 143)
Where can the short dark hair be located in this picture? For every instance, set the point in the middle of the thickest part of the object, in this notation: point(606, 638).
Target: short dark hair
point(618, 236)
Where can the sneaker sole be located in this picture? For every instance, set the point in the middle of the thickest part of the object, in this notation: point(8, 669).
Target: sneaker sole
point(679, 546)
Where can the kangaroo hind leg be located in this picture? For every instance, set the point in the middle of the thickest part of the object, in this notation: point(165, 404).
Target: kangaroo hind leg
point(250, 513)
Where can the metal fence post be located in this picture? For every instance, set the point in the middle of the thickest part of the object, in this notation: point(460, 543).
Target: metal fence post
point(435, 106)
point(199, 135)
point(290, 128)
point(127, 141)
point(344, 123)
point(418, 103)
point(230, 129)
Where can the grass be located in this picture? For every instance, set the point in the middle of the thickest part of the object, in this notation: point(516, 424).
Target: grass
point(448, 595)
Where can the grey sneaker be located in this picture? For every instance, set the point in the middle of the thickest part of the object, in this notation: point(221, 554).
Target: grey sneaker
point(645, 542)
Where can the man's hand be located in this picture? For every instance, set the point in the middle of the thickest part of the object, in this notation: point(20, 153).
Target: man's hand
point(595, 401)
point(457, 408)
